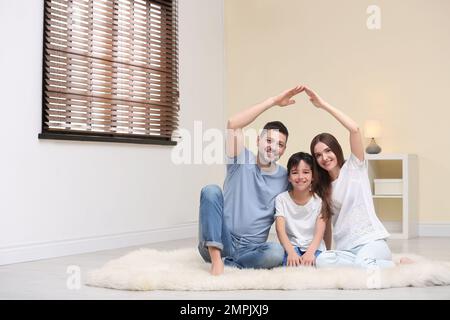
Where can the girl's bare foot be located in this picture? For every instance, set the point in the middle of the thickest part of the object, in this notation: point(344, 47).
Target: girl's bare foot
point(405, 260)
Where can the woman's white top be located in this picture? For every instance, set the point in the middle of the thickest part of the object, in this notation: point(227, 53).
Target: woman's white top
point(354, 221)
point(300, 221)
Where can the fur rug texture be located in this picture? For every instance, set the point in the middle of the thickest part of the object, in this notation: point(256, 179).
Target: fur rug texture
point(184, 269)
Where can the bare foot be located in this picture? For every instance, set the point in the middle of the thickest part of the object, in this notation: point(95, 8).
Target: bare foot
point(217, 268)
point(216, 261)
point(405, 260)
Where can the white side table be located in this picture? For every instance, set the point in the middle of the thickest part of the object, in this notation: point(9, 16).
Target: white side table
point(398, 212)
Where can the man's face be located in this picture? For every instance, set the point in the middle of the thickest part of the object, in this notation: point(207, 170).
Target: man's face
point(271, 145)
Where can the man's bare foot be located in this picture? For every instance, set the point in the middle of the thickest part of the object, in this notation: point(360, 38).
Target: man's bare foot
point(216, 261)
point(217, 268)
point(405, 260)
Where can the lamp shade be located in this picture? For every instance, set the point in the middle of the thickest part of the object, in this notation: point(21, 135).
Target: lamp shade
point(372, 129)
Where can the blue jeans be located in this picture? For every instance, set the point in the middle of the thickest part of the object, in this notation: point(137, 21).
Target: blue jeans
point(236, 251)
point(300, 253)
point(373, 254)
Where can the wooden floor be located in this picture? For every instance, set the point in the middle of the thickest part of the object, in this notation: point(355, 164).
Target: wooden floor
point(47, 279)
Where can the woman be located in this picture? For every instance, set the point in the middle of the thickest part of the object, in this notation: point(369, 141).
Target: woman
point(360, 237)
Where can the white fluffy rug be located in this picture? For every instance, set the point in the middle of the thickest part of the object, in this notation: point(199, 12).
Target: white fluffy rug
point(184, 269)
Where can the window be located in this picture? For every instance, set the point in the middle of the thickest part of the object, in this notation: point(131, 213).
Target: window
point(110, 70)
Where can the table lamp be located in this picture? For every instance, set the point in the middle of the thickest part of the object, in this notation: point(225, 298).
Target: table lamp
point(372, 130)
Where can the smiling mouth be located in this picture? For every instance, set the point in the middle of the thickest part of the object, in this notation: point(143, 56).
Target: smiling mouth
point(300, 186)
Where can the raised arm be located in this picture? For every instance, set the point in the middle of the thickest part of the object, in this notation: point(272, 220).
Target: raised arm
point(235, 139)
point(356, 144)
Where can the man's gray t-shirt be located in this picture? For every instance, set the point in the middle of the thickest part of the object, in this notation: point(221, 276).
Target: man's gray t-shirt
point(249, 197)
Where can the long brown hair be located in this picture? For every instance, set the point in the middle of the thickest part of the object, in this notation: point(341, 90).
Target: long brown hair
point(322, 180)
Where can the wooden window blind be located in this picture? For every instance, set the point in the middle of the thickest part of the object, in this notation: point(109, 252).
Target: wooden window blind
point(110, 70)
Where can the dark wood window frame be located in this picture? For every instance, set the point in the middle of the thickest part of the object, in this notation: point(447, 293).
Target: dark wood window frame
point(110, 71)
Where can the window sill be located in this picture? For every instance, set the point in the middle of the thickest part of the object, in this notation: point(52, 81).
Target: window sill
point(105, 138)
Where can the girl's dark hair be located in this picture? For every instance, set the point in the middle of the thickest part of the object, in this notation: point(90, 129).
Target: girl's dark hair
point(295, 159)
point(322, 180)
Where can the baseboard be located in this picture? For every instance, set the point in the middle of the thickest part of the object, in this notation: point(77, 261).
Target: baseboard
point(39, 251)
point(434, 230)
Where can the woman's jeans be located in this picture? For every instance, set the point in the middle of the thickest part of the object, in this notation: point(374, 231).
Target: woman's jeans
point(236, 251)
point(372, 254)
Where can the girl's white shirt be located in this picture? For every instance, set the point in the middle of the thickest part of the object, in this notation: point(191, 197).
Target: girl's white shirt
point(354, 219)
point(300, 221)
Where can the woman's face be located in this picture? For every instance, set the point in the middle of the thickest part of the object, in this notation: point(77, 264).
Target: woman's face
point(300, 176)
point(325, 157)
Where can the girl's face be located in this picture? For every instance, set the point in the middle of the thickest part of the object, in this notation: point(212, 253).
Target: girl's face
point(325, 157)
point(300, 176)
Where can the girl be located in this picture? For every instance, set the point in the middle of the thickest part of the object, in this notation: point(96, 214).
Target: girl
point(360, 237)
point(299, 223)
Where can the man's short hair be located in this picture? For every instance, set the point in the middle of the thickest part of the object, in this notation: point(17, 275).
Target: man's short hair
point(277, 125)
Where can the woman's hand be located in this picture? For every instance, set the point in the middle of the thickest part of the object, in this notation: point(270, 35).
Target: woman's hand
point(315, 98)
point(356, 145)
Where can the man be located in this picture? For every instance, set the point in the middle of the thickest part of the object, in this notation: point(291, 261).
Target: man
point(235, 225)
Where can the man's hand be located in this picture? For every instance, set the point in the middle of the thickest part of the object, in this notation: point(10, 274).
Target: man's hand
point(315, 98)
point(285, 98)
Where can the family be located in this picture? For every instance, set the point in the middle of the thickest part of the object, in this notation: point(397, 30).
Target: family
point(320, 198)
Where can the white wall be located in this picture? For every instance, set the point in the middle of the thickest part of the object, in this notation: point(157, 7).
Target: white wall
point(63, 197)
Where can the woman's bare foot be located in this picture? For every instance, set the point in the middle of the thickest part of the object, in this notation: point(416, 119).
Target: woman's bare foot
point(405, 260)
point(216, 261)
